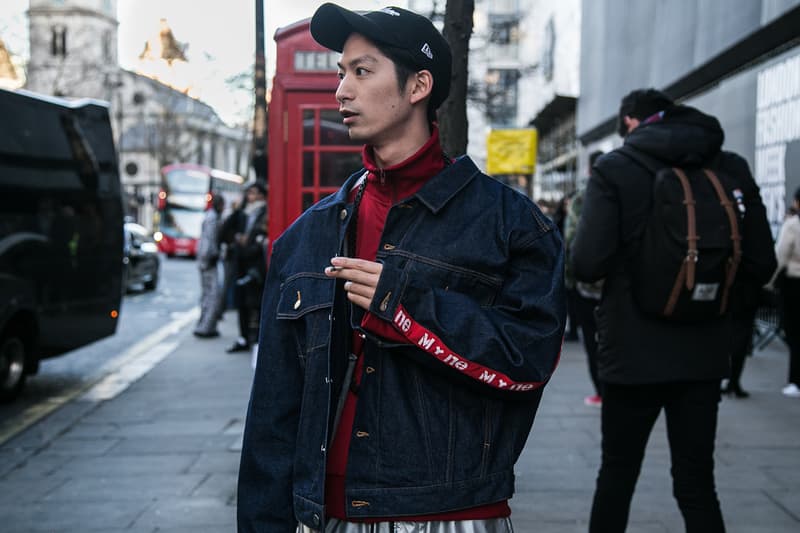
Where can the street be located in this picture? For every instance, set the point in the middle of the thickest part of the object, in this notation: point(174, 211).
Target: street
point(152, 445)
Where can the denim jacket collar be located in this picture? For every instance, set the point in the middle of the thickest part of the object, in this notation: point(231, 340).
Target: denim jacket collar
point(445, 185)
point(434, 195)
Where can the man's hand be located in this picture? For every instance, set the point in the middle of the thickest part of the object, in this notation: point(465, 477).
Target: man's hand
point(361, 278)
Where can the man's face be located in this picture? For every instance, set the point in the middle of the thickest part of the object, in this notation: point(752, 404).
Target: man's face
point(374, 109)
point(254, 195)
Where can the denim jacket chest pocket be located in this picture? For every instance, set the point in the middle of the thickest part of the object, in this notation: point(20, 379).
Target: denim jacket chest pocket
point(306, 303)
point(447, 275)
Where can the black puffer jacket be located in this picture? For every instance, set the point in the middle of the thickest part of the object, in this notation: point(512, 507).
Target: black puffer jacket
point(634, 349)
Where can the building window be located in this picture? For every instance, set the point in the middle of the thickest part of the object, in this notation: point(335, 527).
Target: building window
point(503, 29)
point(548, 50)
point(501, 96)
point(58, 41)
point(107, 44)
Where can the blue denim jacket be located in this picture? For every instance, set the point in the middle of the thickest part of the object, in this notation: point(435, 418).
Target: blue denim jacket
point(473, 277)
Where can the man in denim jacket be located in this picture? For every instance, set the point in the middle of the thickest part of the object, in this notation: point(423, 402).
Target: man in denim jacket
point(410, 321)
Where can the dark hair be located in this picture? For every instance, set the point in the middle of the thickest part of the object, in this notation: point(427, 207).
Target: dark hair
point(257, 185)
point(217, 201)
point(404, 69)
point(797, 195)
point(641, 104)
point(593, 157)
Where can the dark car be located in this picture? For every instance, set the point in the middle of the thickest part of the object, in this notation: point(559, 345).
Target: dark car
point(140, 259)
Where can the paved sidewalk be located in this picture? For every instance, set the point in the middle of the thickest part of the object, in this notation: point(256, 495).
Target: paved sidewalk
point(162, 455)
point(757, 457)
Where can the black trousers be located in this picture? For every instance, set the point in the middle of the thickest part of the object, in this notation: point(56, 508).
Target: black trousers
point(741, 341)
point(629, 412)
point(791, 326)
point(249, 311)
point(573, 320)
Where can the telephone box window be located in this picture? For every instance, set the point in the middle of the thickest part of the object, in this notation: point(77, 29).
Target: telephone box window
point(308, 169)
point(308, 127)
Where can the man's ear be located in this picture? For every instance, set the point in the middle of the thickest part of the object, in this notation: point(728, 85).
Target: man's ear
point(630, 123)
point(421, 85)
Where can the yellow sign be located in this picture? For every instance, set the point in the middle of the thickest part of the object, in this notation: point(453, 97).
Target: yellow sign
point(511, 151)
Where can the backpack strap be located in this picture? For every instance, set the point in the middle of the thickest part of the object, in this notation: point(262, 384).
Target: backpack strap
point(687, 271)
point(736, 237)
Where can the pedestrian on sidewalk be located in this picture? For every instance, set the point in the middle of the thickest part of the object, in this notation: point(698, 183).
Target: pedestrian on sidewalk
point(647, 361)
point(560, 216)
point(586, 296)
point(410, 320)
point(248, 247)
point(788, 251)
point(233, 223)
point(745, 300)
point(208, 250)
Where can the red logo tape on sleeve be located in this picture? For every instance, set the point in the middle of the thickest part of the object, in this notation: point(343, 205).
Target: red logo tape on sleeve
point(429, 342)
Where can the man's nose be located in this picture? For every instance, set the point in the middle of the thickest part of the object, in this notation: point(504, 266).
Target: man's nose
point(343, 91)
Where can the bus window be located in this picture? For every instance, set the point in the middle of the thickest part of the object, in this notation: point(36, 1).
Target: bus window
point(187, 181)
point(186, 190)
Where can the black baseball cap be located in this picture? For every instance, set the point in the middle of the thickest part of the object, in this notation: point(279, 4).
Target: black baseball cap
point(412, 36)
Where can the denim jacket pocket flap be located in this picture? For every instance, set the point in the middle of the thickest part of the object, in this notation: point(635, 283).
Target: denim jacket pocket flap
point(303, 293)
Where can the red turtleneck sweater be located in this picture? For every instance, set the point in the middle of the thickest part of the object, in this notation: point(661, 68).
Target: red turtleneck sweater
point(385, 187)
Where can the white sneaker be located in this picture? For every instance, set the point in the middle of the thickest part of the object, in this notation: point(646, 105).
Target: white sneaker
point(791, 390)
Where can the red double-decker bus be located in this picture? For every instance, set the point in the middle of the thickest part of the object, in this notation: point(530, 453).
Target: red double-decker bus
point(186, 192)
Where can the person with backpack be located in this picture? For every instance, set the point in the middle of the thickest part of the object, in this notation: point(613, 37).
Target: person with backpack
point(669, 221)
point(410, 320)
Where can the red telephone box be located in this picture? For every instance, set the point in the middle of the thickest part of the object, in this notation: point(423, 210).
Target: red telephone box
point(310, 151)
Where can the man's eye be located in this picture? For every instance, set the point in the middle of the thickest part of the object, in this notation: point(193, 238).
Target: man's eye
point(360, 71)
point(340, 75)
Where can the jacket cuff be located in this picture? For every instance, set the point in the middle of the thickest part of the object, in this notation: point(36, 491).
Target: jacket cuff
point(387, 293)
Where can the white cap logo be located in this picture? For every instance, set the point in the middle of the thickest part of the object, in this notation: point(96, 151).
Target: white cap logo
point(390, 11)
point(426, 49)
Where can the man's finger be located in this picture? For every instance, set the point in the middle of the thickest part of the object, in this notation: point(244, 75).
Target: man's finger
point(355, 275)
point(359, 300)
point(360, 290)
point(363, 278)
point(357, 264)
